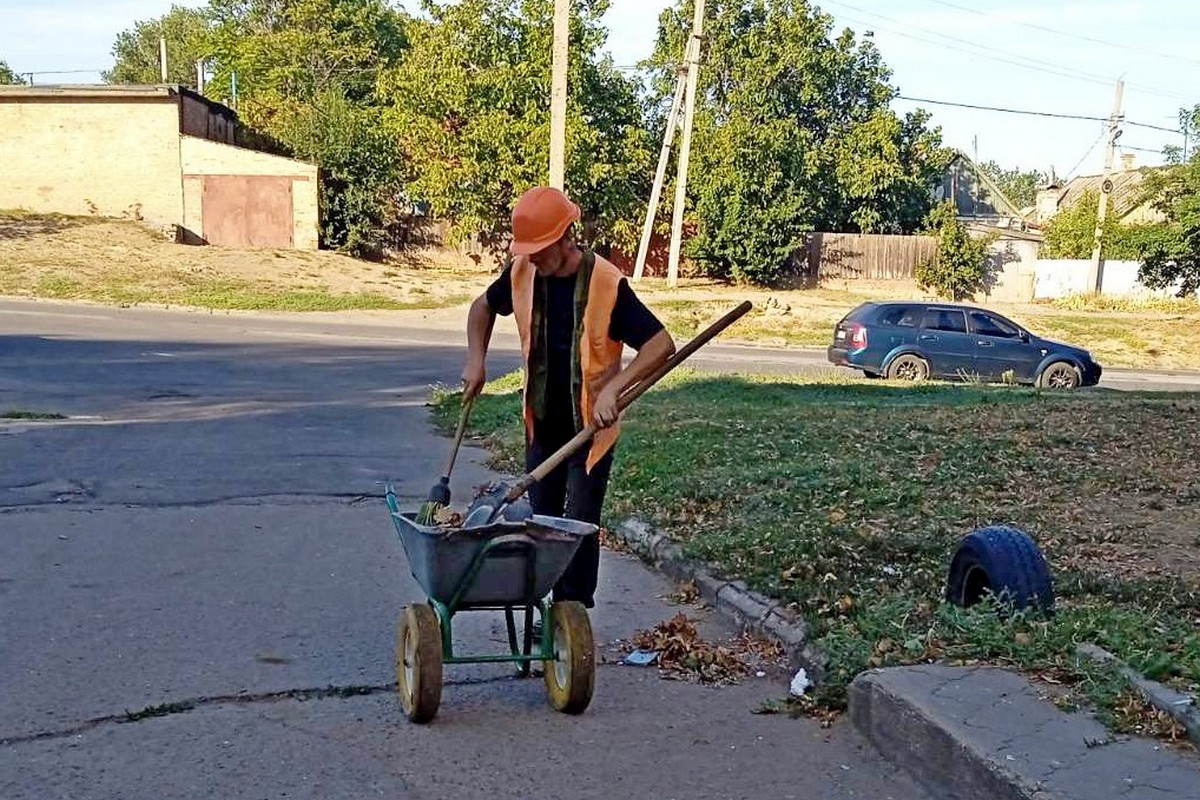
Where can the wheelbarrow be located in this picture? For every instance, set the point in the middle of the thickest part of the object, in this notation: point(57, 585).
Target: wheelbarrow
point(501, 561)
point(504, 566)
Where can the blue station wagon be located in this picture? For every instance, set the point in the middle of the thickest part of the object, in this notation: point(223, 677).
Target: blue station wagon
point(918, 340)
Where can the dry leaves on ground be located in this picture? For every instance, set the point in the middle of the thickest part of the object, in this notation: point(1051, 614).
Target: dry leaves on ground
point(683, 654)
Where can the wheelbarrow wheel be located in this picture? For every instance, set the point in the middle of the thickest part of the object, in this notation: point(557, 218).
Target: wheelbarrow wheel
point(571, 676)
point(419, 662)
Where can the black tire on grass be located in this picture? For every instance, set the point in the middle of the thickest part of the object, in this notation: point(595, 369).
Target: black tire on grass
point(1004, 561)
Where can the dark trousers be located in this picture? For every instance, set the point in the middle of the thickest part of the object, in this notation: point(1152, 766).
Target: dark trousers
point(570, 492)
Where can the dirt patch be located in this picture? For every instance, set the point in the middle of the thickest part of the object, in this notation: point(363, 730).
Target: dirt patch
point(1141, 537)
point(116, 260)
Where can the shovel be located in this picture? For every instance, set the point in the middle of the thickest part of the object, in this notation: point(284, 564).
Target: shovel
point(500, 499)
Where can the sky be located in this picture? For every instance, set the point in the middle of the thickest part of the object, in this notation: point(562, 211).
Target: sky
point(1050, 56)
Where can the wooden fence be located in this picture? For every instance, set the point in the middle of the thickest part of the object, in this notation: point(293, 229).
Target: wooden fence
point(851, 256)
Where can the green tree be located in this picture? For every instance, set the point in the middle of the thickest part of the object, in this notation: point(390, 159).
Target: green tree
point(963, 264)
point(1189, 126)
point(7, 76)
point(1173, 254)
point(1020, 186)
point(469, 105)
point(306, 73)
point(1071, 233)
point(792, 134)
point(136, 51)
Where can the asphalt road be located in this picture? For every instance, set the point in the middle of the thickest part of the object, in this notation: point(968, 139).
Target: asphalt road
point(442, 329)
point(199, 586)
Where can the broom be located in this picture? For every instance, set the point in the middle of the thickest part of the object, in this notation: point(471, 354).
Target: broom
point(439, 495)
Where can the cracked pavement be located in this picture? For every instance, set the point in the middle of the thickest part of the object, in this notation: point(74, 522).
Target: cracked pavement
point(199, 586)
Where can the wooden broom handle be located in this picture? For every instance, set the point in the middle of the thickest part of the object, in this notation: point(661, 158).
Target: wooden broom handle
point(627, 397)
point(462, 427)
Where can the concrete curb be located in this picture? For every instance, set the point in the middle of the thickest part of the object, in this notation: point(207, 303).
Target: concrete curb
point(732, 599)
point(970, 733)
point(1181, 707)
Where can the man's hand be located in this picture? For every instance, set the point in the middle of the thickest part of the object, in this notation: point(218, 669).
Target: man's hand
point(474, 376)
point(605, 413)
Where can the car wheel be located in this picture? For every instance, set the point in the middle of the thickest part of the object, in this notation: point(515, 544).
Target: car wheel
point(1060, 375)
point(908, 367)
point(1004, 562)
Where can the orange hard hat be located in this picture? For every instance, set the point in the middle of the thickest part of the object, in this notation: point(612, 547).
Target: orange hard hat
point(540, 218)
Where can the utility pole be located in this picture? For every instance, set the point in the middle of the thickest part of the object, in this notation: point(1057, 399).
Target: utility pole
point(661, 174)
point(200, 76)
point(689, 111)
point(162, 57)
point(1114, 132)
point(558, 94)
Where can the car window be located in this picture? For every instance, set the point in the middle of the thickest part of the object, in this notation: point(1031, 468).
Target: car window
point(859, 313)
point(945, 319)
point(986, 325)
point(901, 316)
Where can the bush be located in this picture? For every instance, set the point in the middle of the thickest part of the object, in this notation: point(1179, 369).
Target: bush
point(962, 266)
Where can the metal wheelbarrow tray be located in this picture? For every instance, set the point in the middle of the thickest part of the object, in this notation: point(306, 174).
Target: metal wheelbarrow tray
point(502, 566)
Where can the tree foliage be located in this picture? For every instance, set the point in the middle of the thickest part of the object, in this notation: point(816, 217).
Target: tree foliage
point(1071, 233)
point(8, 77)
point(306, 73)
point(1020, 186)
point(1173, 256)
point(469, 105)
point(792, 134)
point(963, 264)
point(1189, 126)
point(136, 51)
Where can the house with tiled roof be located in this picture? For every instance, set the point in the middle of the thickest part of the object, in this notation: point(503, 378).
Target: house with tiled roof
point(1127, 199)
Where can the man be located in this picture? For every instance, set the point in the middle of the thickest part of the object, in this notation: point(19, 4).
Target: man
point(575, 312)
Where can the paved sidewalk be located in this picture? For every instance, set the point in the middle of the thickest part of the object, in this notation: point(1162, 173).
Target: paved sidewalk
point(980, 733)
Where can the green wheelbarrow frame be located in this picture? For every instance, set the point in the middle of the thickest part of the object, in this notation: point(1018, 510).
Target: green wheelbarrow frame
point(471, 579)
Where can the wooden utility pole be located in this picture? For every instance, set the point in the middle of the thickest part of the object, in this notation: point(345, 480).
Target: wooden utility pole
point(558, 94)
point(689, 111)
point(1096, 278)
point(200, 76)
point(661, 174)
point(162, 57)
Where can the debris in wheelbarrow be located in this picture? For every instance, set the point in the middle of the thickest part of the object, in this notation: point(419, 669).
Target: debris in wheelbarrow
point(488, 498)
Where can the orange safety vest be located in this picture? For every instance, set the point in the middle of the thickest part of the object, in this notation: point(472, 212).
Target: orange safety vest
point(599, 357)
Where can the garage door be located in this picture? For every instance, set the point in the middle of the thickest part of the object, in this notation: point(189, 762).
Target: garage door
point(247, 210)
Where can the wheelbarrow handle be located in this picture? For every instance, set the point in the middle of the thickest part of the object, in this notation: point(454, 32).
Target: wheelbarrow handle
point(627, 397)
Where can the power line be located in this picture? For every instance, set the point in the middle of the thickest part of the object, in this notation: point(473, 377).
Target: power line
point(1053, 114)
point(1139, 149)
point(1155, 127)
point(1078, 164)
point(59, 71)
point(974, 49)
point(1057, 32)
point(1004, 110)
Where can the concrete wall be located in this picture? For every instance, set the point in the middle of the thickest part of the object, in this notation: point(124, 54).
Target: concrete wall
point(1015, 263)
point(110, 157)
point(201, 158)
point(1063, 277)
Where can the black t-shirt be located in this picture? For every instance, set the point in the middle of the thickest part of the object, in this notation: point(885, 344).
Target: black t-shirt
point(631, 323)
